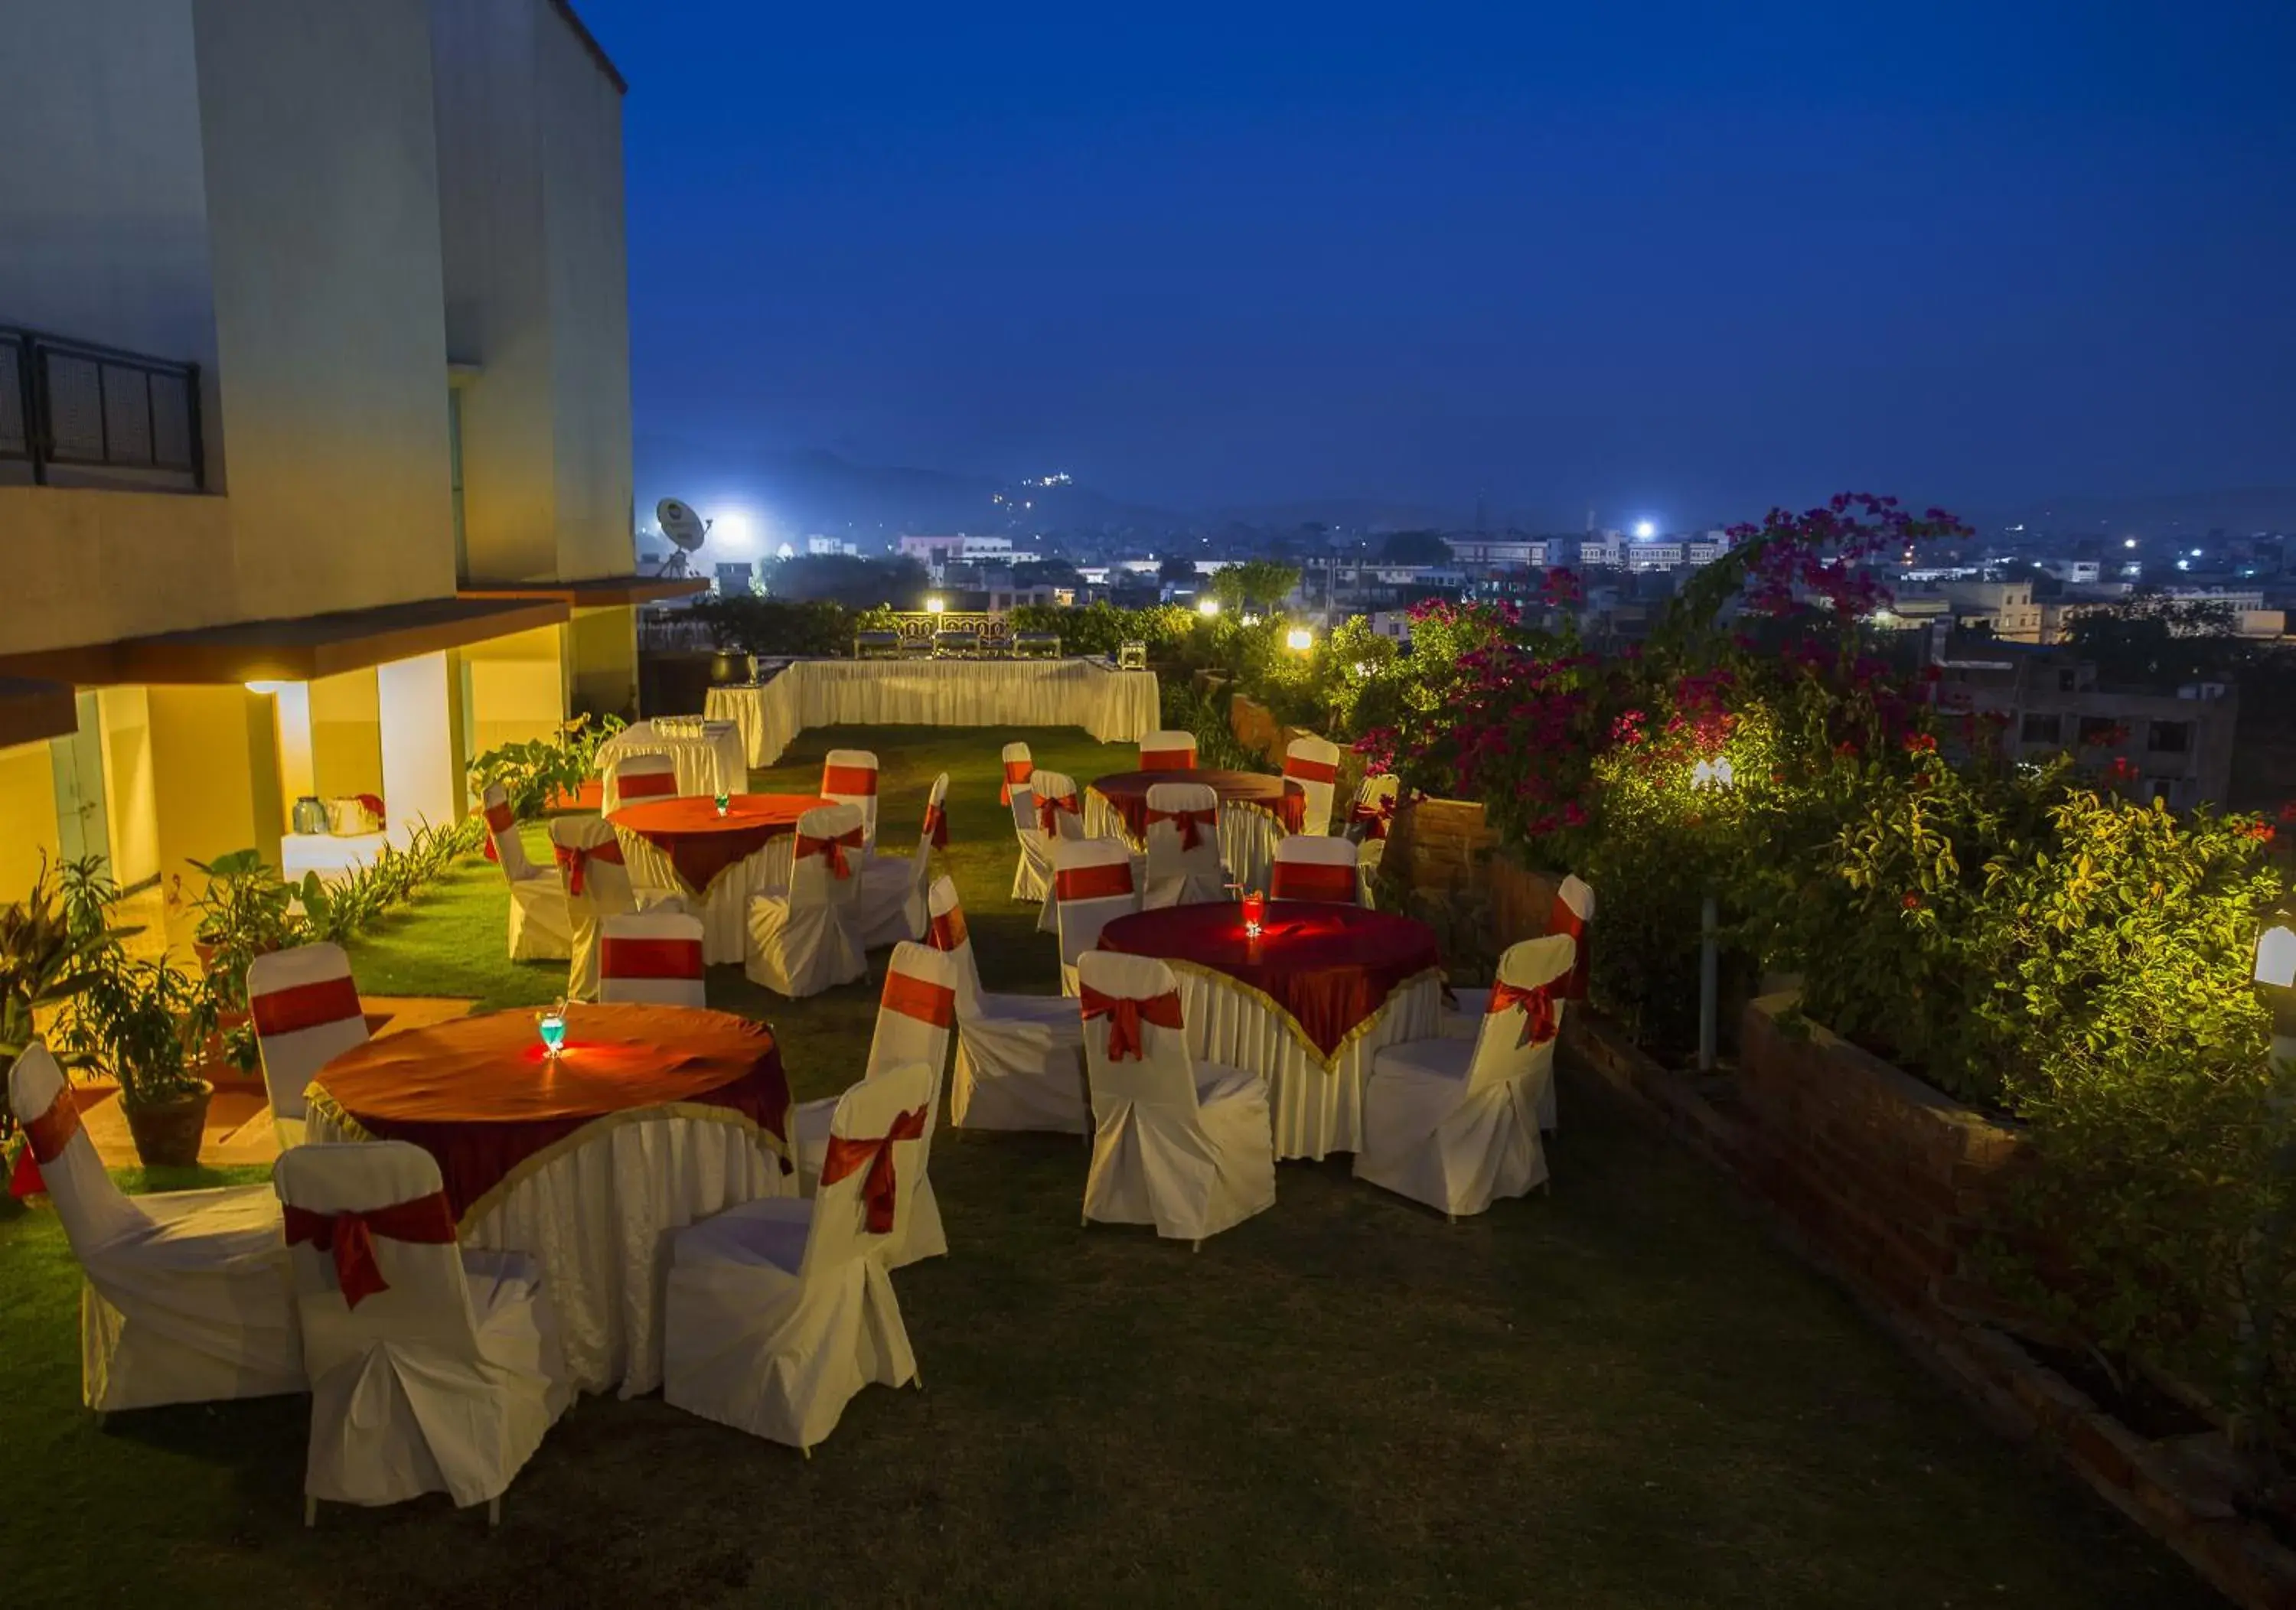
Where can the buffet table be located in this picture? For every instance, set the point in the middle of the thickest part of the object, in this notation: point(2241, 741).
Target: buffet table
point(708, 754)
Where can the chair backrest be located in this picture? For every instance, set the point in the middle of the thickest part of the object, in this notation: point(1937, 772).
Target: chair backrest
point(944, 931)
point(503, 835)
point(637, 777)
point(1019, 767)
point(1067, 816)
point(306, 1010)
point(1136, 1044)
point(1092, 886)
point(1314, 869)
point(1179, 813)
point(1312, 766)
point(1525, 1016)
point(916, 1012)
point(590, 867)
point(94, 1212)
point(934, 834)
point(1169, 751)
point(393, 1186)
point(830, 841)
point(1574, 914)
point(651, 956)
point(1374, 805)
point(870, 1172)
point(849, 777)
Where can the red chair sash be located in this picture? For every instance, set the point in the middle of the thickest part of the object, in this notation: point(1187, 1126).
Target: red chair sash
point(1016, 773)
point(53, 1130)
point(853, 782)
point(1562, 919)
point(646, 785)
point(619, 958)
point(302, 1005)
point(1540, 1021)
point(350, 1237)
point(1377, 817)
point(574, 861)
point(1191, 823)
point(500, 820)
point(946, 931)
point(1334, 883)
point(1168, 760)
point(920, 998)
point(1126, 1013)
point(830, 849)
point(935, 832)
point(848, 1153)
point(1310, 770)
point(1107, 881)
point(1048, 809)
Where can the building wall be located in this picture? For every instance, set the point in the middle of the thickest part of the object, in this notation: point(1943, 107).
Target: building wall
point(346, 735)
point(129, 790)
point(602, 652)
point(215, 772)
point(516, 688)
point(27, 804)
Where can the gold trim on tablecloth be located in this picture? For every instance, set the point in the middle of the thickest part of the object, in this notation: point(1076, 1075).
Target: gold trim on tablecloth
point(1315, 1052)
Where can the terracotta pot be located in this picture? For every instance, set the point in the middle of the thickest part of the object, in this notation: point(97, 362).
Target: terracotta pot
point(167, 1132)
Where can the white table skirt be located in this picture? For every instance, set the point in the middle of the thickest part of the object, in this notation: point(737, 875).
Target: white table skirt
point(1247, 838)
point(1115, 707)
point(598, 1217)
point(723, 907)
point(1316, 1108)
point(708, 764)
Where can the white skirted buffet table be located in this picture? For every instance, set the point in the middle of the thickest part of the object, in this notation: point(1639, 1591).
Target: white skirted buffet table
point(1115, 707)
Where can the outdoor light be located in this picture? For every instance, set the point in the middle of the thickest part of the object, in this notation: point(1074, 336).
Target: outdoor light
point(2128, 542)
point(1300, 640)
point(935, 605)
point(1715, 774)
point(1255, 909)
point(1645, 529)
point(1208, 606)
point(1250, 620)
point(2275, 978)
point(551, 1021)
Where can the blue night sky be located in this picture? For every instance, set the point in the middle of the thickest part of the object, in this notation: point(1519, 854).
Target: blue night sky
point(1684, 259)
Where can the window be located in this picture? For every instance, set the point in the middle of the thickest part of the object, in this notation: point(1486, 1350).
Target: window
point(2042, 728)
point(2100, 733)
point(2065, 680)
point(2169, 738)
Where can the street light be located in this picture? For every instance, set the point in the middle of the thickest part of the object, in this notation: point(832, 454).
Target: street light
point(1298, 640)
point(2276, 978)
point(1715, 773)
point(1208, 606)
point(936, 604)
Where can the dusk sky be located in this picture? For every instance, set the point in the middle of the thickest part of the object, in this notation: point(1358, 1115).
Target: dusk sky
point(1681, 259)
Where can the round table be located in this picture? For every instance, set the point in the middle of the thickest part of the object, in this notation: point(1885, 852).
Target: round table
point(1256, 810)
point(653, 1118)
point(719, 864)
point(707, 754)
point(1305, 1005)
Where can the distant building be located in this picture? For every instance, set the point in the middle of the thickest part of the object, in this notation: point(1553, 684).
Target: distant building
point(818, 547)
point(2076, 572)
point(735, 578)
point(2004, 609)
point(1526, 552)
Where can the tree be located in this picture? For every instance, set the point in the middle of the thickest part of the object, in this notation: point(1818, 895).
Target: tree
point(1415, 548)
point(1256, 581)
point(1046, 573)
point(1176, 568)
point(2152, 640)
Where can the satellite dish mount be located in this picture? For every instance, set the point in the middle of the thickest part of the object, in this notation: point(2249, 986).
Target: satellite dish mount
point(685, 529)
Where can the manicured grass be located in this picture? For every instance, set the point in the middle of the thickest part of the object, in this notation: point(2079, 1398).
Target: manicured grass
point(1617, 1394)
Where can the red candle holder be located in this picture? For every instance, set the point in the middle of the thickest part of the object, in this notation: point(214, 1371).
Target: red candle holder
point(1255, 908)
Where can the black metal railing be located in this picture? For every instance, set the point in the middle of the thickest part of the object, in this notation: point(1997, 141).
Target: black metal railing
point(75, 406)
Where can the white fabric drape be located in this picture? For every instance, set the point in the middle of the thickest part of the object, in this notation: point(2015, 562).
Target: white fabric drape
point(1115, 707)
point(710, 762)
point(598, 1216)
point(1248, 838)
point(1316, 1109)
point(724, 907)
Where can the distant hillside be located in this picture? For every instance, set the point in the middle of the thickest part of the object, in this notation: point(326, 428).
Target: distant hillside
point(2238, 511)
point(1342, 514)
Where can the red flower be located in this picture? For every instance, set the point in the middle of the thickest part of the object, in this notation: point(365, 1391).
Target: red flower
point(2288, 813)
point(1921, 743)
point(2263, 832)
point(1912, 903)
point(2122, 769)
point(1845, 749)
point(1932, 673)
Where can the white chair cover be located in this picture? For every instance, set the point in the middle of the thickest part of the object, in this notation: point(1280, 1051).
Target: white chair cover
point(1169, 751)
point(1019, 767)
point(1573, 914)
point(1092, 885)
point(1182, 1146)
point(800, 944)
point(1032, 874)
point(1454, 1123)
point(1315, 868)
point(1373, 815)
point(849, 777)
point(305, 1012)
point(1067, 822)
point(1369, 854)
point(443, 1379)
point(1179, 874)
point(635, 776)
point(891, 905)
point(184, 1298)
point(779, 1312)
point(651, 956)
point(541, 927)
point(1019, 1059)
point(598, 886)
point(1312, 765)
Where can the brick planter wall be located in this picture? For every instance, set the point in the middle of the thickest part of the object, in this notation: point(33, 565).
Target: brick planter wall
point(1445, 847)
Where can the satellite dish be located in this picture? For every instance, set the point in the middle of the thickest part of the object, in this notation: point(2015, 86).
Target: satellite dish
point(684, 528)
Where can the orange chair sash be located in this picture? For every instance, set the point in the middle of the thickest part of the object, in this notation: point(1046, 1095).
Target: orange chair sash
point(1125, 1014)
point(350, 1237)
point(880, 1189)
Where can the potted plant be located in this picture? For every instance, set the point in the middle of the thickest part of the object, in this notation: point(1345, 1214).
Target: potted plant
point(43, 960)
point(245, 911)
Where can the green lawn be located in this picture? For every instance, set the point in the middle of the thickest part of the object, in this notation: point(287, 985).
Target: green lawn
point(1620, 1394)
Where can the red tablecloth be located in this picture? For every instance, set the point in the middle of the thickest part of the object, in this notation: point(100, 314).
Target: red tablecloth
point(1330, 966)
point(479, 1095)
point(699, 843)
point(1126, 793)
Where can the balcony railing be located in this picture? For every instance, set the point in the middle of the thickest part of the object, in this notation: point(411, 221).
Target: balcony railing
point(72, 405)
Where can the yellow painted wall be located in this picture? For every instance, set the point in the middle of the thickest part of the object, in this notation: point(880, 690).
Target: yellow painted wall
point(346, 735)
point(132, 816)
point(27, 816)
point(517, 688)
point(214, 774)
point(601, 651)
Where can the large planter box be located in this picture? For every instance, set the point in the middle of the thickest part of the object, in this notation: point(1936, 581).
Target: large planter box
point(1445, 847)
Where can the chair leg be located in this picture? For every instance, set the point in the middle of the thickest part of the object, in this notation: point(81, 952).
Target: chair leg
point(1454, 1218)
point(1196, 1246)
point(311, 1510)
point(807, 1452)
point(493, 1512)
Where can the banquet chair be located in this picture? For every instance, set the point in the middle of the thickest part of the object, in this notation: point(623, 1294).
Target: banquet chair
point(1371, 817)
point(1314, 869)
point(1019, 1059)
point(635, 776)
point(781, 1309)
point(1369, 857)
point(433, 1367)
point(799, 943)
point(184, 1297)
point(541, 927)
point(1092, 885)
point(651, 957)
point(1312, 766)
point(305, 1012)
point(1182, 1145)
point(1573, 914)
point(1455, 1123)
point(891, 906)
point(1183, 864)
point(1059, 820)
point(598, 886)
point(1169, 751)
point(916, 1015)
point(1032, 875)
point(1019, 767)
point(849, 777)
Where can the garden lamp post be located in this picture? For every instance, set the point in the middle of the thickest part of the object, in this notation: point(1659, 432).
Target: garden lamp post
point(1715, 773)
point(2276, 978)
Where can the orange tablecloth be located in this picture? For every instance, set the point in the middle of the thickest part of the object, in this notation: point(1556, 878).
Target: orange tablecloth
point(1126, 793)
point(480, 1096)
point(699, 843)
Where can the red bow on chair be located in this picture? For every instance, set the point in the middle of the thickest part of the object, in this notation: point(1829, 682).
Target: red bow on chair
point(575, 861)
point(947, 932)
point(1377, 818)
point(847, 1153)
point(46, 1136)
point(1191, 823)
point(937, 827)
point(1016, 773)
point(350, 1237)
point(832, 849)
point(1048, 809)
point(1537, 1002)
point(499, 820)
point(1126, 1013)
